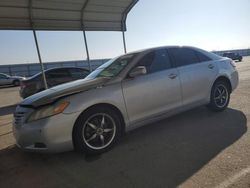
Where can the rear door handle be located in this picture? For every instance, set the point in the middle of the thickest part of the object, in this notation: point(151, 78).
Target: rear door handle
point(211, 66)
point(172, 76)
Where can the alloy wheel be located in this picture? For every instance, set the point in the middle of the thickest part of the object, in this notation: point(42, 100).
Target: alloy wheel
point(99, 131)
point(220, 96)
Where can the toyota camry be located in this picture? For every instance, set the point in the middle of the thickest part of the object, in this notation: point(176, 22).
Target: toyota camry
point(135, 89)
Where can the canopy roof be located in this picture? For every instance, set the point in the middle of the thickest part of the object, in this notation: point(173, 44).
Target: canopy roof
point(88, 15)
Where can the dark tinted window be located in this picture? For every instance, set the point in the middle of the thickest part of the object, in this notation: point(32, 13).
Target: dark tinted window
point(183, 56)
point(202, 57)
point(58, 73)
point(156, 61)
point(147, 61)
point(161, 61)
point(78, 73)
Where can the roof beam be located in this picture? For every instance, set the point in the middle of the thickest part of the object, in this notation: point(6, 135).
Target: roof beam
point(53, 13)
point(125, 14)
point(82, 12)
point(84, 34)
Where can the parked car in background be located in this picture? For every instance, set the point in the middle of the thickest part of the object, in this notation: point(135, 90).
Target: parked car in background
point(54, 76)
point(233, 56)
point(126, 92)
point(10, 80)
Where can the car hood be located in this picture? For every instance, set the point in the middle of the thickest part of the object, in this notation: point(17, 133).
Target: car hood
point(50, 95)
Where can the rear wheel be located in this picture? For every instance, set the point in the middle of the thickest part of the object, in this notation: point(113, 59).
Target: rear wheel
point(96, 130)
point(220, 96)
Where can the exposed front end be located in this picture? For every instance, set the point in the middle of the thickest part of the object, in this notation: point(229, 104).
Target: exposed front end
point(50, 134)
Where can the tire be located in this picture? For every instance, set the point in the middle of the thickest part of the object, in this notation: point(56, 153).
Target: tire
point(16, 82)
point(94, 135)
point(220, 96)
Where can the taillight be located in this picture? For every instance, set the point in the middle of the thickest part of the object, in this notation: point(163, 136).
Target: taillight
point(232, 63)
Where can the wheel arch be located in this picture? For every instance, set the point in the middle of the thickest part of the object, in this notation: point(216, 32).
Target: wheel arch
point(225, 79)
point(105, 105)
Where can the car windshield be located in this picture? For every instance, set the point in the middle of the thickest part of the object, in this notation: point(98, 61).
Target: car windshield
point(113, 67)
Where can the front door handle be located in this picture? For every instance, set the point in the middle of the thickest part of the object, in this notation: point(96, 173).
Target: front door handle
point(211, 66)
point(172, 76)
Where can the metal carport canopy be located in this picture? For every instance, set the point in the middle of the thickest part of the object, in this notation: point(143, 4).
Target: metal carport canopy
point(74, 15)
point(93, 15)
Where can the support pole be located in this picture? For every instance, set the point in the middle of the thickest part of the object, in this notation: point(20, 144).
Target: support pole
point(40, 60)
point(124, 42)
point(87, 50)
point(37, 47)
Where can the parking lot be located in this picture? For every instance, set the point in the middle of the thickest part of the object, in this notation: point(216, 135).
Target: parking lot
point(197, 148)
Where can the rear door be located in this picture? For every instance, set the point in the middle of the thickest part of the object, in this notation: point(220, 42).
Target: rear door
point(155, 92)
point(197, 72)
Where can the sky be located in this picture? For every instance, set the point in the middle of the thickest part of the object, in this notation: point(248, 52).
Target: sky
point(207, 24)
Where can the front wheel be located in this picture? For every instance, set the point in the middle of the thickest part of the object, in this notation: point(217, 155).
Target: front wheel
point(220, 96)
point(96, 130)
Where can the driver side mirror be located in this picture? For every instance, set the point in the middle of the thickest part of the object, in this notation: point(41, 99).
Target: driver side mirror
point(138, 71)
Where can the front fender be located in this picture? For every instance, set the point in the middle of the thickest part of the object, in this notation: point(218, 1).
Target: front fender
point(110, 94)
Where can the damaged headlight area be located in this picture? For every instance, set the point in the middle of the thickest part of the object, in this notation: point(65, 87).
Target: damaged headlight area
point(47, 111)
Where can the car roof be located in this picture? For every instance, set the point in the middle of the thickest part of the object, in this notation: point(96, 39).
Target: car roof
point(153, 48)
point(209, 54)
point(68, 67)
point(163, 47)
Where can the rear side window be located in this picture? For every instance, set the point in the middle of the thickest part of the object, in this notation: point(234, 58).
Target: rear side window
point(59, 73)
point(156, 61)
point(183, 56)
point(78, 73)
point(202, 57)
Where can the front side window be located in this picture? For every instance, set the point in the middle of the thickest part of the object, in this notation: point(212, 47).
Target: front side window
point(155, 61)
point(147, 61)
point(183, 56)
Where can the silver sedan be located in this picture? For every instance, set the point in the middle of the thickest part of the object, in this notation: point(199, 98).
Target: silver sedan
point(129, 91)
point(10, 80)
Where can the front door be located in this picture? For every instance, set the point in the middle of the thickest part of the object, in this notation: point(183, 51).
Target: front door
point(155, 92)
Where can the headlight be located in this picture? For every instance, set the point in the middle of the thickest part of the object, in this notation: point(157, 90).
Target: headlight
point(47, 111)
